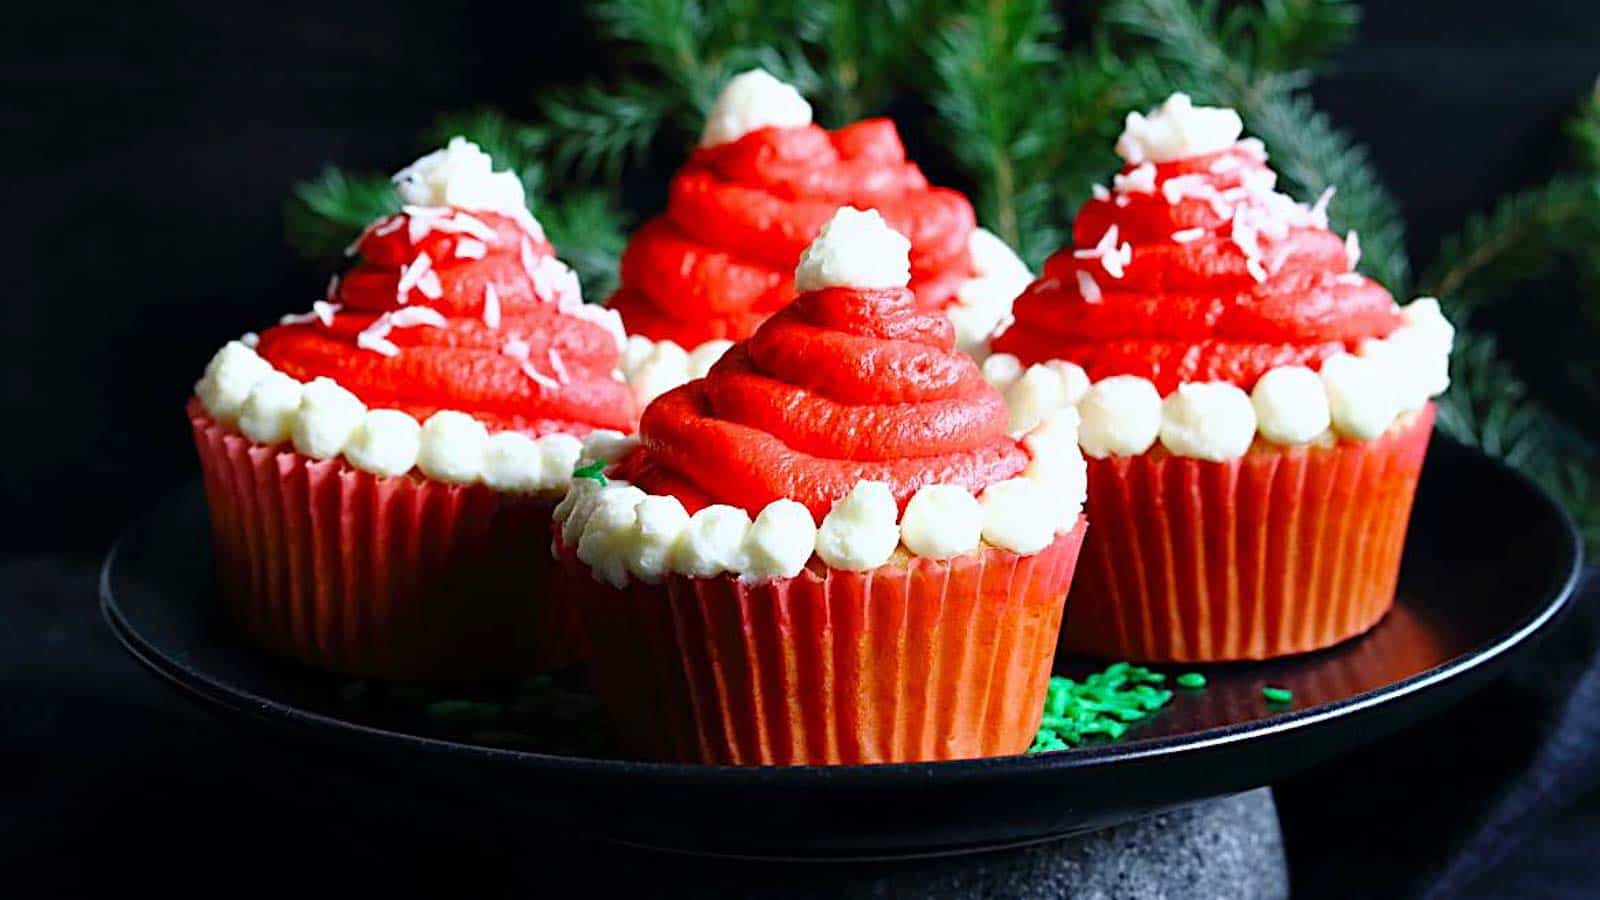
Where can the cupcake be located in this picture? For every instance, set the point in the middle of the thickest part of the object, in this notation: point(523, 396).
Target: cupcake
point(377, 467)
point(1254, 411)
point(832, 548)
point(755, 192)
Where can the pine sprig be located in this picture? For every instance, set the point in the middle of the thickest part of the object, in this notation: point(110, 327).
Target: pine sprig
point(325, 213)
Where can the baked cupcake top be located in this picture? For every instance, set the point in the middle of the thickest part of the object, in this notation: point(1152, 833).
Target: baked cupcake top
point(758, 190)
point(849, 426)
point(456, 321)
point(1198, 305)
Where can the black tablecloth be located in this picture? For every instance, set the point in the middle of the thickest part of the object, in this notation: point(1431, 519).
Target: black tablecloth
point(111, 778)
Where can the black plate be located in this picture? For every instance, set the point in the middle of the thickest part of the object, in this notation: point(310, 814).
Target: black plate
point(1490, 560)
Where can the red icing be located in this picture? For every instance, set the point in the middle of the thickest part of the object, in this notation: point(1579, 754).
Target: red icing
point(461, 366)
point(841, 385)
point(722, 257)
point(1185, 312)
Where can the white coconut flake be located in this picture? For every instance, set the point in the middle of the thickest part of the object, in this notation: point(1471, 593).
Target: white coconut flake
point(1319, 210)
point(1188, 235)
point(1350, 278)
point(491, 306)
point(1222, 165)
point(250, 339)
point(1088, 288)
point(413, 316)
point(539, 378)
point(1352, 249)
point(557, 366)
point(428, 285)
point(1099, 192)
point(1257, 271)
point(411, 275)
point(375, 337)
point(469, 248)
point(333, 287)
point(516, 348)
point(1254, 148)
point(556, 281)
point(1142, 180)
point(1175, 189)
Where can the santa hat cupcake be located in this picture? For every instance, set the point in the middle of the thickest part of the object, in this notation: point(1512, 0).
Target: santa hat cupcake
point(377, 467)
point(831, 549)
point(1254, 410)
point(756, 191)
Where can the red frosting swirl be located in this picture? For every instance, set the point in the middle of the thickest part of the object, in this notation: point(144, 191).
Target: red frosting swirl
point(464, 365)
point(1193, 310)
point(722, 257)
point(840, 386)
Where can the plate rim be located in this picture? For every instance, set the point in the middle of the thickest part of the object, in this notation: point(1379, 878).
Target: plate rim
point(1556, 599)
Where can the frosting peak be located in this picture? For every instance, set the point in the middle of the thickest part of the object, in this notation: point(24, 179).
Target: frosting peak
point(460, 175)
point(752, 101)
point(843, 385)
point(1176, 129)
point(855, 249)
point(1196, 269)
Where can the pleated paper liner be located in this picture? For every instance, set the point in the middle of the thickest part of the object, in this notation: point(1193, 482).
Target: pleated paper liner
point(1282, 551)
point(399, 578)
point(929, 660)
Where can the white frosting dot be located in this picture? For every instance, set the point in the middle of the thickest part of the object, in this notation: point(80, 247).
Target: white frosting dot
point(1211, 420)
point(268, 413)
point(659, 523)
point(941, 521)
point(713, 543)
point(606, 444)
point(1039, 392)
point(1291, 405)
point(328, 415)
point(385, 443)
point(1360, 403)
point(1074, 381)
point(1016, 517)
point(780, 541)
point(703, 357)
point(855, 249)
point(1177, 129)
point(749, 102)
point(453, 445)
point(558, 456)
point(860, 531)
point(461, 175)
point(1121, 416)
point(605, 534)
point(228, 378)
point(511, 462)
point(1001, 369)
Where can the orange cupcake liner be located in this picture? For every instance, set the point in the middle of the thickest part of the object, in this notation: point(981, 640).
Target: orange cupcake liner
point(929, 660)
point(1284, 550)
point(399, 578)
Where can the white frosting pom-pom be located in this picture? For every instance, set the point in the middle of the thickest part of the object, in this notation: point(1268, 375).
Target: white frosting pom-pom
point(749, 102)
point(855, 249)
point(461, 175)
point(1177, 129)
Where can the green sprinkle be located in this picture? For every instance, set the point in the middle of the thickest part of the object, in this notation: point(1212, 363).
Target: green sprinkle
point(1191, 680)
point(1101, 707)
point(595, 470)
point(1277, 694)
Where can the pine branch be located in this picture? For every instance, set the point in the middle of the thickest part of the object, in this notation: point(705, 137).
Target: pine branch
point(1516, 242)
point(1584, 129)
point(591, 130)
point(1489, 407)
point(325, 213)
point(589, 233)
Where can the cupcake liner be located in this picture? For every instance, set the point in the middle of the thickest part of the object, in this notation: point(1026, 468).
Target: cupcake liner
point(1281, 551)
point(927, 660)
point(401, 578)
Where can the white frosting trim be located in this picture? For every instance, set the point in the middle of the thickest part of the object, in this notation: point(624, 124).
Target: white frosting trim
point(322, 419)
point(1353, 396)
point(622, 532)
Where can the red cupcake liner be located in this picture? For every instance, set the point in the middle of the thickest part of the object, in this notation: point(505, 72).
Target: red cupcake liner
point(1281, 551)
point(400, 578)
point(924, 661)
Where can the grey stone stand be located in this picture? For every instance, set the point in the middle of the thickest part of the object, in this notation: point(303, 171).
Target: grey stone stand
point(1228, 848)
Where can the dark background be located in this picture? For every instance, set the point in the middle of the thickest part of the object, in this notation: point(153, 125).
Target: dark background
point(151, 149)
